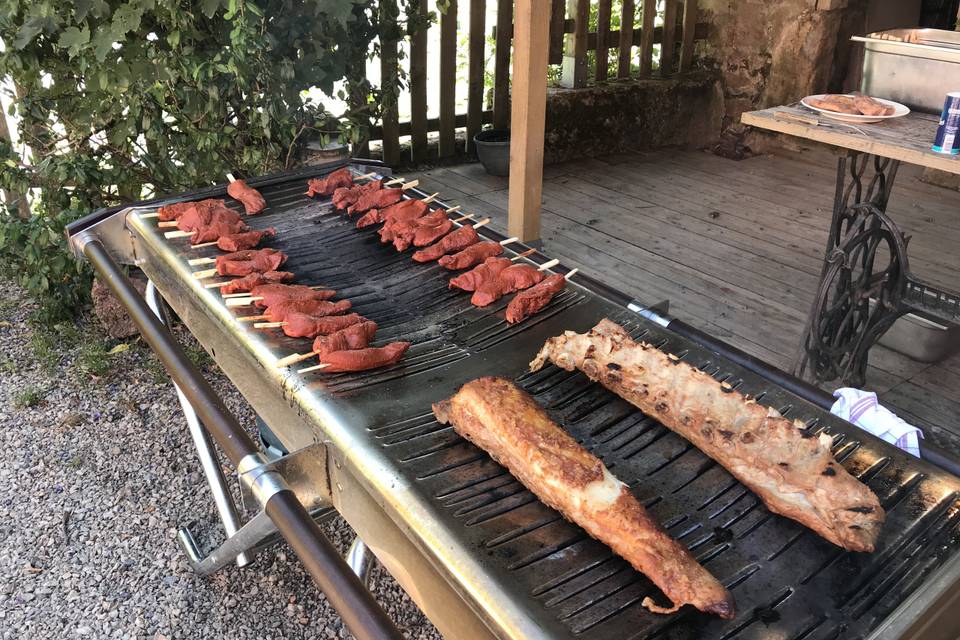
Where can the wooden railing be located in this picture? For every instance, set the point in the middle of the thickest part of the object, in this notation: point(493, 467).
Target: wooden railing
point(572, 39)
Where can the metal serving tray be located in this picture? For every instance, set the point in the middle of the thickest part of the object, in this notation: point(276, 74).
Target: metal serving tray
point(479, 553)
point(916, 67)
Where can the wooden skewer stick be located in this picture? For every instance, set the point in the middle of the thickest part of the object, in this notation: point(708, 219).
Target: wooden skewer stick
point(243, 302)
point(242, 294)
point(167, 224)
point(364, 176)
point(469, 216)
point(155, 214)
point(230, 178)
point(549, 263)
point(397, 180)
point(177, 234)
point(409, 185)
point(452, 209)
point(316, 367)
point(571, 273)
point(206, 273)
point(504, 243)
point(523, 255)
point(295, 358)
point(268, 325)
point(196, 261)
point(253, 318)
point(214, 285)
point(431, 197)
point(482, 223)
point(203, 244)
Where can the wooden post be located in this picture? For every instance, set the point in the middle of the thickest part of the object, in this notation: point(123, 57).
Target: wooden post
point(646, 37)
point(669, 44)
point(574, 71)
point(475, 70)
point(627, 16)
point(689, 28)
point(389, 71)
point(603, 33)
point(501, 83)
point(418, 84)
point(529, 106)
point(448, 81)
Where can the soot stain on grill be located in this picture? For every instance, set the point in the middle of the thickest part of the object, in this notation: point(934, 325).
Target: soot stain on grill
point(721, 535)
point(767, 615)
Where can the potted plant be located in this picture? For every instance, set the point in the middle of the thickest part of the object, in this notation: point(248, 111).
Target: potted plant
point(493, 150)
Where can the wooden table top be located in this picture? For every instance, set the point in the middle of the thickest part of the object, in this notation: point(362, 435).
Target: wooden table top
point(907, 139)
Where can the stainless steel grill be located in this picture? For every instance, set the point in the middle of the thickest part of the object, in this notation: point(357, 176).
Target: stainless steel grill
point(477, 550)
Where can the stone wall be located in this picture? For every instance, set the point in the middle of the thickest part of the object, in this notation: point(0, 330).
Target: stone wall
point(773, 52)
point(642, 114)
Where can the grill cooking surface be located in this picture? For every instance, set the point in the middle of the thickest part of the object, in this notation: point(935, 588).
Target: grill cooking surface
point(787, 581)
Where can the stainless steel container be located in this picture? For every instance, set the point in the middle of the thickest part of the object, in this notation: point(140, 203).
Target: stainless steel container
point(916, 67)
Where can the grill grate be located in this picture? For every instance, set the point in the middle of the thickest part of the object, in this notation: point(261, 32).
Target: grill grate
point(788, 582)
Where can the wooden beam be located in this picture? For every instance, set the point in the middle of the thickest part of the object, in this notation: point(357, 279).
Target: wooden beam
point(418, 84)
point(669, 38)
point(475, 70)
point(389, 84)
point(529, 105)
point(501, 82)
point(689, 32)
point(627, 16)
point(574, 72)
point(603, 30)
point(558, 27)
point(448, 81)
point(646, 37)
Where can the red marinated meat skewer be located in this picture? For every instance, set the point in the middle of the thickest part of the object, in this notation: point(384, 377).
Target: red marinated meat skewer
point(375, 200)
point(196, 217)
point(280, 311)
point(173, 212)
point(450, 243)
point(364, 359)
point(355, 336)
point(269, 294)
point(241, 263)
point(215, 230)
point(244, 240)
point(251, 199)
point(302, 325)
point(472, 255)
point(402, 229)
point(327, 185)
point(248, 282)
point(474, 279)
point(403, 210)
point(346, 196)
point(426, 234)
point(530, 301)
point(514, 278)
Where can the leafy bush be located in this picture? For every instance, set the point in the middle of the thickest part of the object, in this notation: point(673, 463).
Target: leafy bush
point(120, 99)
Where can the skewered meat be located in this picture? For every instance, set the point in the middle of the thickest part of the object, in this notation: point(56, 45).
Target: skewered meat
point(356, 336)
point(302, 325)
point(450, 243)
point(424, 230)
point(174, 211)
point(426, 233)
point(200, 216)
point(326, 186)
point(248, 282)
point(253, 203)
point(244, 240)
point(474, 279)
point(403, 210)
point(790, 468)
point(280, 311)
point(274, 293)
point(375, 200)
point(871, 107)
point(364, 359)
point(241, 263)
point(346, 196)
point(472, 255)
point(528, 302)
point(217, 229)
point(508, 424)
point(513, 278)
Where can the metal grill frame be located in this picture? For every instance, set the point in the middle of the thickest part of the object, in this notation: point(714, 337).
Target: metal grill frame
point(449, 580)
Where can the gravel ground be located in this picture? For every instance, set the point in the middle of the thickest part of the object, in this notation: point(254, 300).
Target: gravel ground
point(95, 478)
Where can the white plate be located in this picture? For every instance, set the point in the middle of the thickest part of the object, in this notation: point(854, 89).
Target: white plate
point(900, 111)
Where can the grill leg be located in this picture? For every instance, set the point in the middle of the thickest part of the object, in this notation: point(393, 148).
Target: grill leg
point(208, 462)
point(360, 560)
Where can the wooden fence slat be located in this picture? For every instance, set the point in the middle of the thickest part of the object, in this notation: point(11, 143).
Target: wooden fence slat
point(627, 17)
point(433, 124)
point(646, 37)
point(501, 83)
point(389, 74)
point(689, 30)
point(574, 71)
point(475, 70)
point(603, 28)
point(448, 81)
point(558, 15)
point(669, 42)
point(418, 86)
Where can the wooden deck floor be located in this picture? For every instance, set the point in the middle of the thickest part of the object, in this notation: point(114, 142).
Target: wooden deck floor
point(736, 247)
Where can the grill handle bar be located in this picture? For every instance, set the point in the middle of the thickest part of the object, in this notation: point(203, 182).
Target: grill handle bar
point(362, 615)
point(823, 399)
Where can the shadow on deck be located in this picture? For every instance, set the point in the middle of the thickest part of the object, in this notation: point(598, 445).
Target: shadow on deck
point(736, 247)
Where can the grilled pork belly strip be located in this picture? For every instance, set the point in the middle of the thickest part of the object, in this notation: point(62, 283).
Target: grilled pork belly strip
point(792, 470)
point(509, 425)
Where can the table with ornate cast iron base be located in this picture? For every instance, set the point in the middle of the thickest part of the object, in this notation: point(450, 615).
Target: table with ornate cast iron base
point(865, 283)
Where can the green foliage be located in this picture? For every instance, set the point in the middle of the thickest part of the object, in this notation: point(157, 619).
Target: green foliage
point(27, 397)
point(120, 99)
